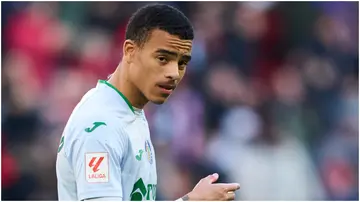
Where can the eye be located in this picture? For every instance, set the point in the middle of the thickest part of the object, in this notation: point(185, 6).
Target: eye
point(162, 59)
point(182, 65)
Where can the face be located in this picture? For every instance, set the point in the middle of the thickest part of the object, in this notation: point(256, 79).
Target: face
point(158, 66)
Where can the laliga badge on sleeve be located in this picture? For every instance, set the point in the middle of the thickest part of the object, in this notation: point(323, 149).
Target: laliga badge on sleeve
point(97, 167)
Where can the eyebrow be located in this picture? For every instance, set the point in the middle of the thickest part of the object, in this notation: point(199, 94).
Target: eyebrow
point(172, 53)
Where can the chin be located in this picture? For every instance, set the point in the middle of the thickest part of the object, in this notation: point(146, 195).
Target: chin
point(159, 100)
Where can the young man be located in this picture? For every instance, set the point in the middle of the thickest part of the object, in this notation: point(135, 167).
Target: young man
point(105, 152)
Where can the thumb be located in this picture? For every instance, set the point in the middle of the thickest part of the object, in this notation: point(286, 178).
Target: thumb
point(212, 178)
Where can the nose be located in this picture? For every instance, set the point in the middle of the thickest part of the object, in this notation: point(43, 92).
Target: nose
point(172, 72)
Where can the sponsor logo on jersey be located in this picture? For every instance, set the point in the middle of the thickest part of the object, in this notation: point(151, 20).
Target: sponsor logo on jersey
point(97, 167)
point(141, 192)
point(148, 151)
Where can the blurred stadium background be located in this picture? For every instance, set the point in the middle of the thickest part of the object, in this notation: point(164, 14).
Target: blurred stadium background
point(270, 99)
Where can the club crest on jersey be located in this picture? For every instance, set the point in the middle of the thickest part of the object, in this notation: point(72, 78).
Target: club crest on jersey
point(148, 151)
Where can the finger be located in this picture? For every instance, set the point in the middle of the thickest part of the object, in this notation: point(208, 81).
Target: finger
point(229, 186)
point(230, 196)
point(212, 178)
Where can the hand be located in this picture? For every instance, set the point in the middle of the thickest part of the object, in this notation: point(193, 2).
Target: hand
point(207, 191)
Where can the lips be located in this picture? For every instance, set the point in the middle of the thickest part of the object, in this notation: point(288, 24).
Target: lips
point(167, 88)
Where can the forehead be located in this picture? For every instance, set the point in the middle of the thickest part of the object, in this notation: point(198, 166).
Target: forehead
point(161, 39)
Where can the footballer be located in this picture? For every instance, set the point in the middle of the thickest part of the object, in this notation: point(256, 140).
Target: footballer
point(105, 152)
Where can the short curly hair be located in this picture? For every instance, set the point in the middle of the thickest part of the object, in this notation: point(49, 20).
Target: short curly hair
point(158, 16)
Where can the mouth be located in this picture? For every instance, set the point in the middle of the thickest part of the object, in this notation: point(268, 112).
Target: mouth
point(166, 88)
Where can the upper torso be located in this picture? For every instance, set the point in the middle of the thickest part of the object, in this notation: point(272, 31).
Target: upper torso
point(106, 150)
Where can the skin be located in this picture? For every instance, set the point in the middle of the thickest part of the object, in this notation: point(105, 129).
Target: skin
point(143, 70)
point(161, 61)
point(207, 190)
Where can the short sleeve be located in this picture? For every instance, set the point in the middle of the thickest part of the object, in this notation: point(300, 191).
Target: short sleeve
point(96, 161)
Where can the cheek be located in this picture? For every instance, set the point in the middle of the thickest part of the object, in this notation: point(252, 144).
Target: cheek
point(135, 71)
point(181, 74)
point(147, 73)
point(147, 64)
point(140, 68)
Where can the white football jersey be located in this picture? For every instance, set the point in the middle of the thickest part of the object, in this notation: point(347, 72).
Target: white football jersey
point(105, 150)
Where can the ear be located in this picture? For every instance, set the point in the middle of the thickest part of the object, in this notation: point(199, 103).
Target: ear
point(128, 51)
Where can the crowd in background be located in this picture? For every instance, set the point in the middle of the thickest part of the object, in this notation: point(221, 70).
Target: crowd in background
point(269, 100)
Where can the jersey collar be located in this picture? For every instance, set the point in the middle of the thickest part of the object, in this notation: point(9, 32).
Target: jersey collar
point(122, 95)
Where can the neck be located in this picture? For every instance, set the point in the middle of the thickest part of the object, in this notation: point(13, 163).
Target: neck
point(120, 79)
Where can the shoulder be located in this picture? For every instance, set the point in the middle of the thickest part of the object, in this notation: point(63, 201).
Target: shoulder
point(105, 124)
point(96, 127)
point(97, 132)
point(96, 109)
point(99, 115)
